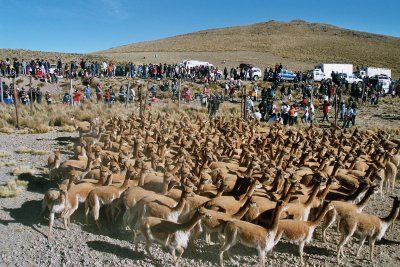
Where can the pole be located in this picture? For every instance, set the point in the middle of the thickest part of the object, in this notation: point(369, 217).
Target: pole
point(15, 103)
point(179, 93)
point(244, 103)
point(128, 93)
point(146, 95)
point(335, 107)
point(141, 100)
point(1, 91)
point(70, 92)
point(241, 105)
point(30, 90)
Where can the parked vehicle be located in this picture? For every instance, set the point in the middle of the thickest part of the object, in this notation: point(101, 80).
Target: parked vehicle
point(382, 81)
point(256, 73)
point(350, 78)
point(372, 71)
point(246, 66)
point(324, 71)
point(287, 75)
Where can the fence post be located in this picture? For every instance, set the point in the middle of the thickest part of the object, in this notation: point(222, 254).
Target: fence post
point(128, 93)
point(70, 93)
point(30, 91)
point(15, 103)
point(1, 91)
point(179, 93)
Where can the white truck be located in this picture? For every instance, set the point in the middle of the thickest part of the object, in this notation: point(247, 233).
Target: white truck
point(372, 71)
point(324, 71)
point(196, 63)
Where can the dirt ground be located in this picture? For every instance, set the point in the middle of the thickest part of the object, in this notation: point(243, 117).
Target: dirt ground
point(23, 239)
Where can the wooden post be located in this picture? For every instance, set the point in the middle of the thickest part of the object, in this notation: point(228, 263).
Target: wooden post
point(127, 95)
point(335, 107)
point(179, 93)
point(241, 104)
point(15, 103)
point(140, 100)
point(70, 93)
point(1, 91)
point(30, 90)
point(146, 96)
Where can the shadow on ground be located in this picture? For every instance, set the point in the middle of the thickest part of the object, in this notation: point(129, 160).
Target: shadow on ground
point(122, 252)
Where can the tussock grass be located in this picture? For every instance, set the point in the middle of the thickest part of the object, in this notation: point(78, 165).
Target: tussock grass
point(23, 169)
point(7, 130)
point(24, 150)
point(13, 188)
point(10, 164)
point(68, 128)
point(4, 154)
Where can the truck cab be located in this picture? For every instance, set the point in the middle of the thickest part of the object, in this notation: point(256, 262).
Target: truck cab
point(318, 75)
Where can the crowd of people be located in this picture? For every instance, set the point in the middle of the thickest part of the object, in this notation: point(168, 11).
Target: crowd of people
point(262, 106)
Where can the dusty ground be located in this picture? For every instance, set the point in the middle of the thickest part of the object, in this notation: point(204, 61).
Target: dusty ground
point(23, 241)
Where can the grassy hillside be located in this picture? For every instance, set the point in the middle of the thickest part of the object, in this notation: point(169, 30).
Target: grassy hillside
point(28, 55)
point(297, 42)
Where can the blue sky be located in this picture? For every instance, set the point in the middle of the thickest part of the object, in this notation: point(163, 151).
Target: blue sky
point(92, 25)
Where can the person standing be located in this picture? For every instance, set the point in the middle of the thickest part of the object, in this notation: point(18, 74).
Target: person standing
point(354, 113)
point(312, 112)
point(291, 115)
point(249, 106)
point(77, 97)
point(255, 89)
point(39, 95)
point(263, 109)
point(342, 110)
point(87, 92)
point(325, 110)
point(225, 73)
point(98, 93)
point(285, 113)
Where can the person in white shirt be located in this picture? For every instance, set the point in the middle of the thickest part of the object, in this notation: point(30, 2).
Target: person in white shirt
point(257, 115)
point(306, 115)
point(312, 112)
point(255, 89)
point(249, 106)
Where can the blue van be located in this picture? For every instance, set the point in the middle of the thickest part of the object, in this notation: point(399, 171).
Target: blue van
point(287, 75)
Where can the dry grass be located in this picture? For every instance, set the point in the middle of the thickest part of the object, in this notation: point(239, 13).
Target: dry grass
point(68, 128)
point(7, 130)
point(13, 188)
point(24, 169)
point(4, 154)
point(304, 44)
point(10, 164)
point(24, 150)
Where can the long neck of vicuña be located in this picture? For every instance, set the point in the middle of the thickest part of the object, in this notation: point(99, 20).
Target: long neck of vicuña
point(242, 211)
point(360, 205)
point(275, 219)
point(181, 203)
point(126, 181)
point(313, 195)
point(393, 213)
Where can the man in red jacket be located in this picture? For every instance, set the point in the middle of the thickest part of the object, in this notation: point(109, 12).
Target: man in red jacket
point(325, 110)
point(77, 97)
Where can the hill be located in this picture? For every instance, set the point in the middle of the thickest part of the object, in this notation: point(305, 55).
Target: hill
point(297, 43)
point(28, 55)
